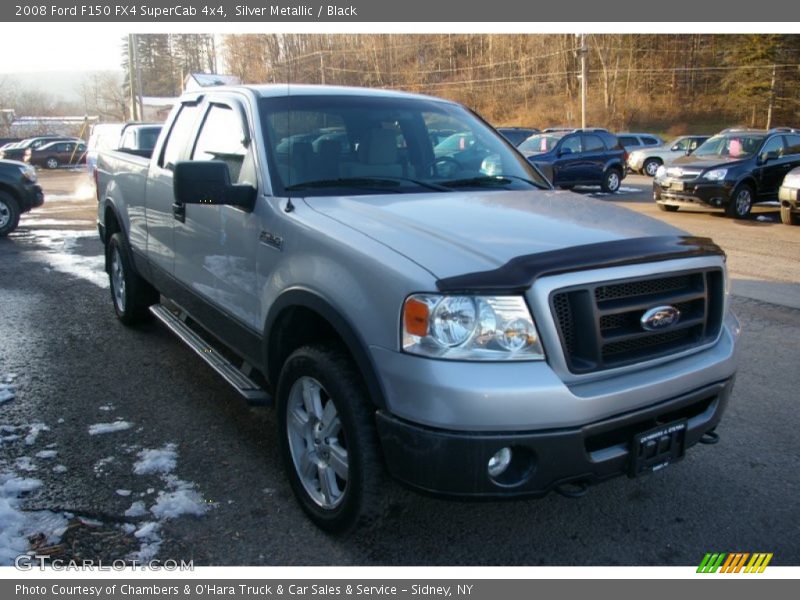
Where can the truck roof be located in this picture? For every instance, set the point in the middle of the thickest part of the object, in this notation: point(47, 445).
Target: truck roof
point(275, 90)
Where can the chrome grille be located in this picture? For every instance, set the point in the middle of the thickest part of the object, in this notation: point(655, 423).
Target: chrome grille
point(600, 324)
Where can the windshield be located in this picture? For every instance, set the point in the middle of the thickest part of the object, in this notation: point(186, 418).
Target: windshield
point(537, 144)
point(337, 145)
point(730, 146)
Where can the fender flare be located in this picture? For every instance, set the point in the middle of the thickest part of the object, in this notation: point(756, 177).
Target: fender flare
point(305, 298)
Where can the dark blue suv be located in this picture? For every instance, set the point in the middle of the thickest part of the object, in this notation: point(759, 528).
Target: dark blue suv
point(570, 157)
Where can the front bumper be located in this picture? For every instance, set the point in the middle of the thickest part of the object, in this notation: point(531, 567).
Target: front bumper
point(790, 198)
point(708, 195)
point(32, 196)
point(455, 463)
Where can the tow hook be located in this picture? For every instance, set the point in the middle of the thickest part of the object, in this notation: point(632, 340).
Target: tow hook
point(573, 489)
point(709, 438)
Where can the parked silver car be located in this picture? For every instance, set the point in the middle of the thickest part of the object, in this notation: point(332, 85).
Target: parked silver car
point(789, 196)
point(647, 160)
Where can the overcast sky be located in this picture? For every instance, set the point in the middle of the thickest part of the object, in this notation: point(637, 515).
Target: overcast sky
point(85, 50)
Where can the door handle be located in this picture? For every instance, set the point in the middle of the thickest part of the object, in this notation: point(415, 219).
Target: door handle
point(179, 211)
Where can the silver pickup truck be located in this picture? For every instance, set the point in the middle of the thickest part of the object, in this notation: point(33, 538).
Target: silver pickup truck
point(446, 319)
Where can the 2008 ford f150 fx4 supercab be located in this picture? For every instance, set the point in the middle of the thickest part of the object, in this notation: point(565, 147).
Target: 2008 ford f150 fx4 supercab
point(450, 321)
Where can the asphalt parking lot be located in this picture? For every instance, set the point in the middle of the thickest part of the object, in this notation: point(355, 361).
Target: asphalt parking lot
point(140, 450)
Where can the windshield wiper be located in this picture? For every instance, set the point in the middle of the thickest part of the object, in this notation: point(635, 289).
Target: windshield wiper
point(379, 183)
point(487, 181)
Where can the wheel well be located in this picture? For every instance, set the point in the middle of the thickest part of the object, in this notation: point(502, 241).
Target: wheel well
point(294, 327)
point(655, 158)
point(10, 191)
point(748, 181)
point(112, 226)
point(307, 321)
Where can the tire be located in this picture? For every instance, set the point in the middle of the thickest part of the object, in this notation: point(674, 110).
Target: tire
point(612, 179)
point(9, 214)
point(51, 162)
point(565, 186)
point(741, 202)
point(650, 167)
point(130, 294)
point(788, 217)
point(668, 208)
point(320, 389)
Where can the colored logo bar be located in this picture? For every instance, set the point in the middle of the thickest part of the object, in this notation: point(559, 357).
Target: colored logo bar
point(736, 562)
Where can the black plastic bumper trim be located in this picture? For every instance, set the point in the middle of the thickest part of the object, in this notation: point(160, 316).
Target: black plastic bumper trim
point(452, 463)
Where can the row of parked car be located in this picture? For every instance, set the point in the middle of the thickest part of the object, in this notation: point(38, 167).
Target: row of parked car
point(728, 172)
point(50, 151)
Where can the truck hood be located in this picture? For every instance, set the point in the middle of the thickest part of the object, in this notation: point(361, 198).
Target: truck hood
point(703, 163)
point(453, 233)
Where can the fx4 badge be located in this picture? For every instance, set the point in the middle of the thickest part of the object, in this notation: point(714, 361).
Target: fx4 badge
point(271, 239)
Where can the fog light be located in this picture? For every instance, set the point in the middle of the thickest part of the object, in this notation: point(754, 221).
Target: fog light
point(499, 462)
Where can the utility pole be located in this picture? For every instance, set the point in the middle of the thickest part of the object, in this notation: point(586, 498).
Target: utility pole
point(321, 67)
point(583, 51)
point(138, 72)
point(132, 77)
point(771, 97)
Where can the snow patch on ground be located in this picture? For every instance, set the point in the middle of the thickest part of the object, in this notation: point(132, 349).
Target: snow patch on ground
point(24, 463)
point(101, 465)
point(183, 500)
point(123, 493)
point(179, 498)
point(60, 469)
point(101, 428)
point(16, 525)
point(46, 454)
point(137, 509)
point(106, 407)
point(60, 254)
point(161, 460)
point(34, 429)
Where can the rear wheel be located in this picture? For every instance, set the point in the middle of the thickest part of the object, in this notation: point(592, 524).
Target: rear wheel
point(328, 439)
point(132, 295)
point(611, 181)
point(651, 166)
point(788, 217)
point(741, 202)
point(51, 162)
point(9, 214)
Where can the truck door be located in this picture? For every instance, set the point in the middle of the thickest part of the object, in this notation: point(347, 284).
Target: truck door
point(773, 167)
point(566, 167)
point(216, 245)
point(159, 196)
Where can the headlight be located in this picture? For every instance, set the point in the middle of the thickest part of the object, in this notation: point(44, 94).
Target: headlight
point(29, 173)
point(470, 328)
point(661, 172)
point(716, 174)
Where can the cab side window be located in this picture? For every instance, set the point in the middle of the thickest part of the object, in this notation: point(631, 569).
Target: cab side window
point(220, 138)
point(592, 143)
point(571, 144)
point(792, 145)
point(684, 145)
point(774, 147)
point(178, 136)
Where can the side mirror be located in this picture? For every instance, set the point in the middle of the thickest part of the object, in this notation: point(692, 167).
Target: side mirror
point(209, 182)
point(768, 156)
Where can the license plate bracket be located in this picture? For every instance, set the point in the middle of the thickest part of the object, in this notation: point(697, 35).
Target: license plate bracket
point(656, 448)
point(677, 186)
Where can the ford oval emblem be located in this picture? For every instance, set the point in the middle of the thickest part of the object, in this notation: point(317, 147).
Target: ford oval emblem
point(660, 317)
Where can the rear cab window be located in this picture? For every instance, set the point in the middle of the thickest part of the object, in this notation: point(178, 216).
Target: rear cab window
point(179, 136)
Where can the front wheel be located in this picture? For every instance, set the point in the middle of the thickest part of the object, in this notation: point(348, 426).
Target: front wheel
point(9, 214)
point(328, 439)
point(131, 294)
point(741, 202)
point(51, 163)
point(611, 181)
point(668, 207)
point(651, 166)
